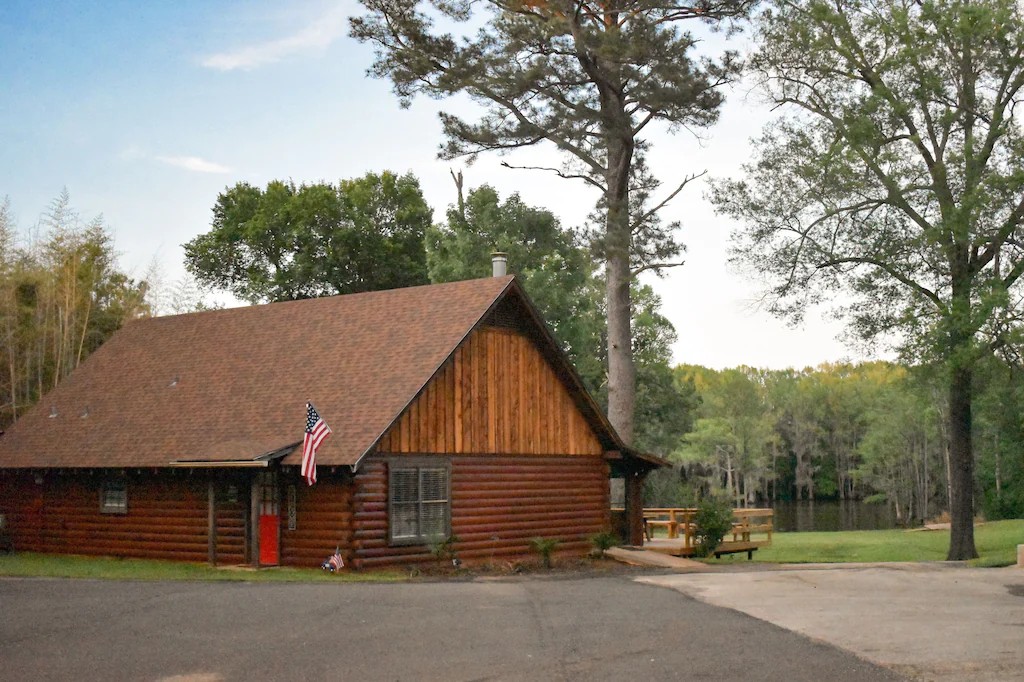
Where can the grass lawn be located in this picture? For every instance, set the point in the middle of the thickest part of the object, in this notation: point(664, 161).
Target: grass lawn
point(996, 542)
point(54, 566)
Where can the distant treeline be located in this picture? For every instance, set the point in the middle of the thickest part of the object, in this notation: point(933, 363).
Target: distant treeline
point(872, 431)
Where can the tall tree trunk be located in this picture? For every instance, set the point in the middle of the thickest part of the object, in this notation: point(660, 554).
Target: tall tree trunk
point(925, 488)
point(11, 304)
point(13, 372)
point(85, 332)
point(840, 483)
point(621, 371)
point(961, 458)
point(728, 475)
point(775, 474)
point(999, 473)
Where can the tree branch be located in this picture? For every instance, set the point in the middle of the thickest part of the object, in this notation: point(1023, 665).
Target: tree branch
point(654, 266)
point(889, 270)
point(561, 174)
point(687, 180)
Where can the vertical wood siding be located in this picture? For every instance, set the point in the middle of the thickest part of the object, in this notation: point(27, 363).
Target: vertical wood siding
point(496, 395)
point(323, 522)
point(498, 504)
point(167, 516)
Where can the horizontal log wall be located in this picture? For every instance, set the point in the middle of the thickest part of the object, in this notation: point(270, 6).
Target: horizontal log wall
point(496, 395)
point(167, 516)
point(232, 503)
point(323, 522)
point(498, 504)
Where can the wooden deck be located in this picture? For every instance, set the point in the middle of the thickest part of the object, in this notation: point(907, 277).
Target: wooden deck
point(751, 529)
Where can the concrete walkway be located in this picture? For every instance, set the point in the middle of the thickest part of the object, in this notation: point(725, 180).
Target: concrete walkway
point(643, 557)
point(930, 621)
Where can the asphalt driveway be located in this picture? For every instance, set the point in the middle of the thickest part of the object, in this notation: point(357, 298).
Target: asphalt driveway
point(531, 629)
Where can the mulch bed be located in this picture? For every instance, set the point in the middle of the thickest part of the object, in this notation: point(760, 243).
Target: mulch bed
point(561, 568)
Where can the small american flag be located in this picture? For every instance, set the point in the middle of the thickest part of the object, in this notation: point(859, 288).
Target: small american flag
point(316, 431)
point(334, 562)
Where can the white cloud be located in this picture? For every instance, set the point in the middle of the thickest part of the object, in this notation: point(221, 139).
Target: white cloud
point(194, 164)
point(318, 35)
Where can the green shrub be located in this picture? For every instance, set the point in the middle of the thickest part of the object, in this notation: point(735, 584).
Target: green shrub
point(443, 549)
point(713, 521)
point(545, 547)
point(603, 541)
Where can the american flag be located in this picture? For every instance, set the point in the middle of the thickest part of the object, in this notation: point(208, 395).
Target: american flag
point(316, 430)
point(334, 562)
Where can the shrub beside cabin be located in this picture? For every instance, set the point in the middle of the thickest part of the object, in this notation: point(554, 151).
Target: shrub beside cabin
point(452, 407)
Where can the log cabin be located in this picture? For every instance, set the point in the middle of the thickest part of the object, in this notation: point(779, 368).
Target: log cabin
point(453, 411)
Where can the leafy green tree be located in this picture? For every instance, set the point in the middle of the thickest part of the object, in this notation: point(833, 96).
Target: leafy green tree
point(587, 78)
point(999, 439)
point(712, 446)
point(665, 403)
point(554, 269)
point(900, 452)
point(288, 242)
point(896, 180)
point(799, 414)
point(846, 391)
point(733, 433)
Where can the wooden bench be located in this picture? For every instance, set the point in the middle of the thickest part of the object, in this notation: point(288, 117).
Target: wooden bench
point(737, 547)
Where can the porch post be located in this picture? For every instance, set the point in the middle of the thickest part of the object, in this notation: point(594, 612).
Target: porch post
point(211, 522)
point(254, 521)
point(635, 507)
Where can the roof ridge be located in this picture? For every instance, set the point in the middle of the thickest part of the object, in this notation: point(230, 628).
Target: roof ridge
point(374, 292)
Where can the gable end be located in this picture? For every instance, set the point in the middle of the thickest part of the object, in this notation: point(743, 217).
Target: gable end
point(497, 394)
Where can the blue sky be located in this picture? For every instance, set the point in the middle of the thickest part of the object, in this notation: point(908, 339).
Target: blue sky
point(145, 111)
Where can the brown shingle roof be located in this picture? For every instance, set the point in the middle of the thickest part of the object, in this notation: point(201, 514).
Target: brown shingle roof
point(244, 376)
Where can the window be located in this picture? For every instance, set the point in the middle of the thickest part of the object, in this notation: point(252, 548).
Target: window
point(114, 497)
point(419, 510)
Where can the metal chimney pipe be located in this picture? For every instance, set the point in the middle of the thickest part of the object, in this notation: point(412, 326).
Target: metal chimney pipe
point(499, 263)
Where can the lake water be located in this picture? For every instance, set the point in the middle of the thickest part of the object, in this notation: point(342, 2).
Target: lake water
point(824, 515)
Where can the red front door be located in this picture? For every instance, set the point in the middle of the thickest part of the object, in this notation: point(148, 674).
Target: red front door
point(270, 520)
